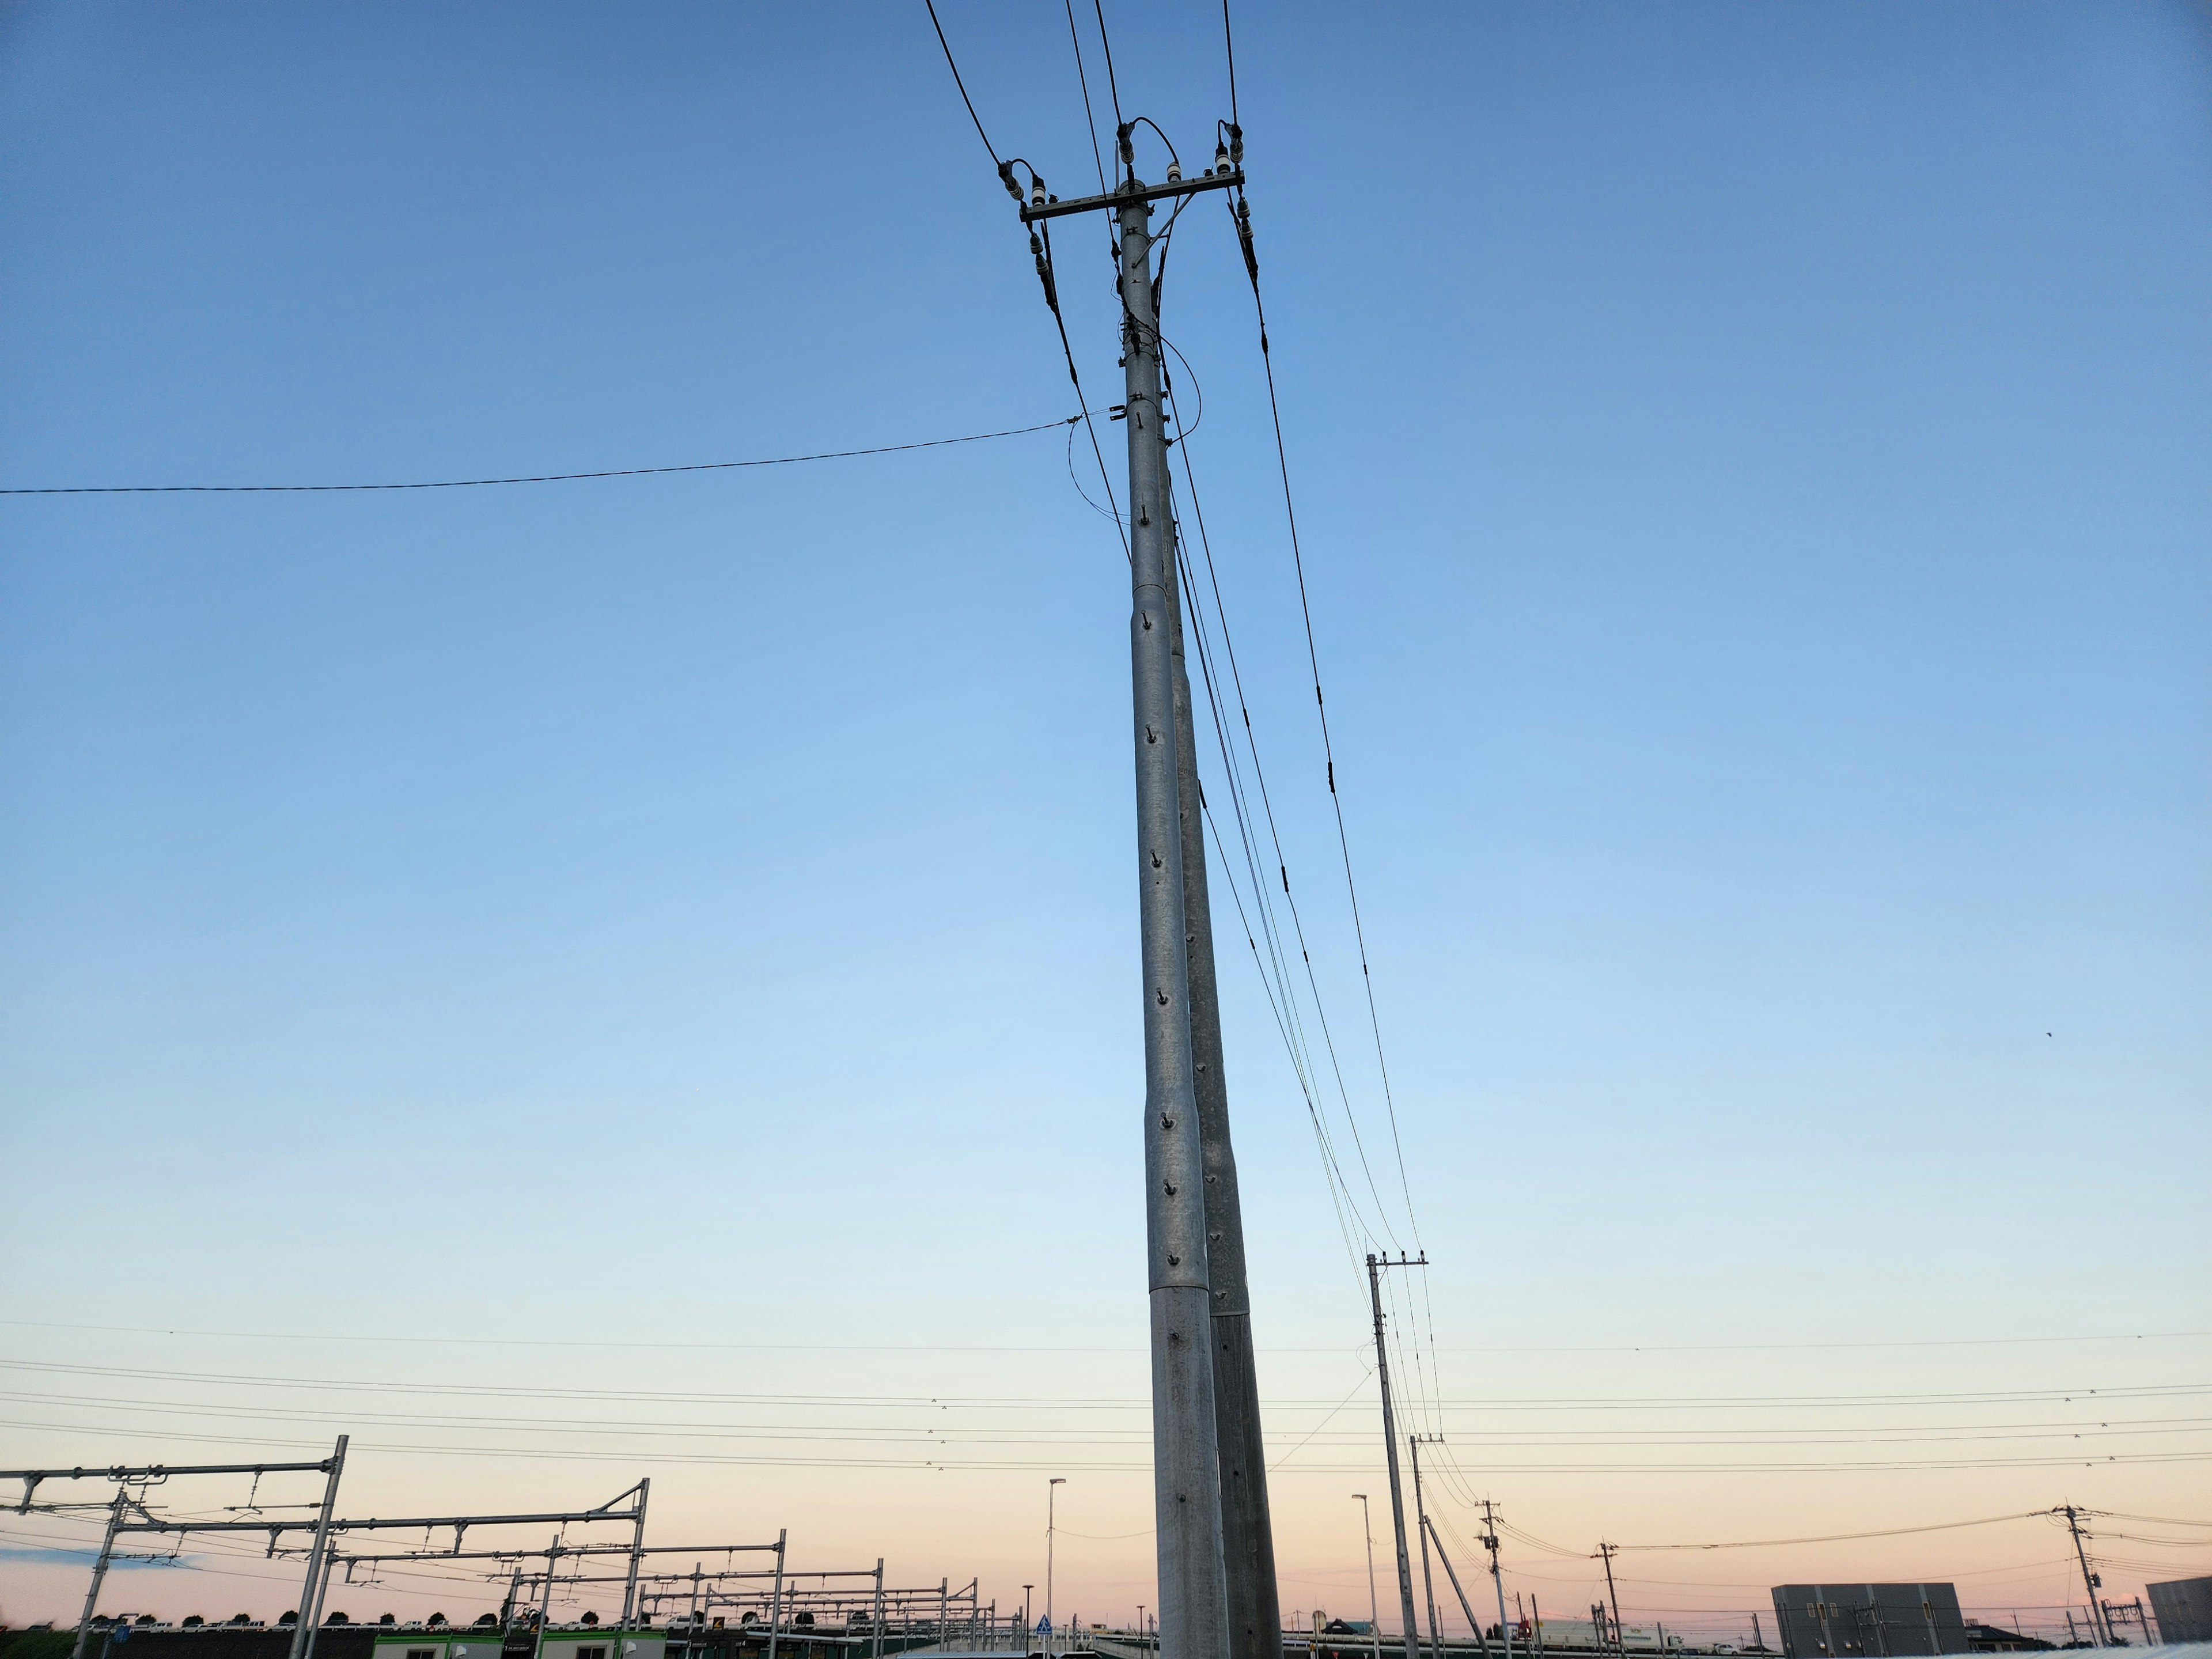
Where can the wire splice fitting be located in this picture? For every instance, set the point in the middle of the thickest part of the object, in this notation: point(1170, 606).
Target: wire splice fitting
point(1044, 273)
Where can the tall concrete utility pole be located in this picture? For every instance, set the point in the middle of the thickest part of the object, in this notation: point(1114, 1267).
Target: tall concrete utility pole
point(1186, 1462)
point(1248, 1533)
point(1411, 1625)
point(1613, 1595)
point(2102, 1634)
point(1497, 1578)
point(1189, 1450)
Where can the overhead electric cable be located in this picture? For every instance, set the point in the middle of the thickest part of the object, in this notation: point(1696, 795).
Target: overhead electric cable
point(998, 1403)
point(1107, 41)
point(1277, 1465)
point(632, 1455)
point(1333, 1182)
point(1101, 511)
point(1297, 923)
point(962, 85)
point(1089, 121)
point(1403, 1334)
point(1301, 1056)
point(1841, 1537)
point(1229, 47)
point(1287, 1017)
point(1052, 298)
point(1240, 215)
point(537, 477)
point(1282, 861)
point(925, 1424)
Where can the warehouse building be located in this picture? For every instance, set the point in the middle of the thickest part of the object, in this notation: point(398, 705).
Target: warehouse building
point(1830, 1621)
point(2183, 1608)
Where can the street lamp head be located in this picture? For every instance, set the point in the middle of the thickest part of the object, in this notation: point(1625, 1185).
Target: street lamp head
point(1057, 1480)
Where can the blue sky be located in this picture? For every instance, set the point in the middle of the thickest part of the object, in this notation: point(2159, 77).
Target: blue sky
point(1753, 468)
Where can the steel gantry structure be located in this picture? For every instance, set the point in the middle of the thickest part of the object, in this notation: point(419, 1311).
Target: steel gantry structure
point(143, 1476)
point(323, 1526)
point(781, 1594)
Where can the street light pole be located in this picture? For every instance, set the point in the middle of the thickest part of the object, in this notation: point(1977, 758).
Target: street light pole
point(1374, 1606)
point(1051, 1494)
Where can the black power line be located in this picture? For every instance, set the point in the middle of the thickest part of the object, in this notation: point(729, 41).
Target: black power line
point(1107, 41)
point(962, 85)
point(537, 477)
point(1214, 691)
point(1067, 351)
point(1229, 46)
point(1241, 215)
point(1089, 121)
